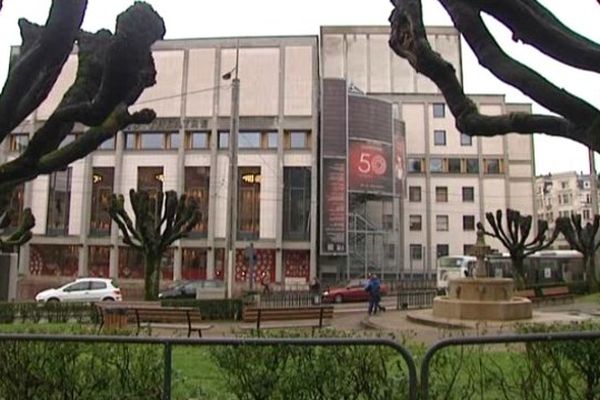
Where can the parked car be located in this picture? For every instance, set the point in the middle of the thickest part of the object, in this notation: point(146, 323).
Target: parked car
point(187, 289)
point(353, 291)
point(83, 290)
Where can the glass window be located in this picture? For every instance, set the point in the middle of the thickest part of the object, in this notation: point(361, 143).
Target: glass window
point(441, 222)
point(436, 165)
point(439, 137)
point(439, 110)
point(108, 144)
point(198, 140)
point(472, 166)
point(102, 190)
point(130, 139)
point(272, 140)
point(296, 203)
point(466, 140)
point(415, 165)
point(454, 165)
point(467, 248)
point(16, 205)
point(223, 140)
point(492, 166)
point(151, 180)
point(59, 203)
point(99, 261)
point(442, 250)
point(249, 140)
point(19, 142)
point(174, 140)
point(197, 181)
point(468, 194)
point(193, 263)
point(414, 193)
point(468, 222)
point(414, 223)
point(441, 194)
point(249, 203)
point(97, 285)
point(77, 287)
point(151, 141)
point(416, 252)
point(298, 140)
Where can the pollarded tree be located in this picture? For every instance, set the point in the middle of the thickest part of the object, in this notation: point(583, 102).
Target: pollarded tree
point(582, 239)
point(113, 71)
point(530, 23)
point(155, 228)
point(515, 238)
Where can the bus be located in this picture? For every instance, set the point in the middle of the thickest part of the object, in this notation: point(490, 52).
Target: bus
point(541, 268)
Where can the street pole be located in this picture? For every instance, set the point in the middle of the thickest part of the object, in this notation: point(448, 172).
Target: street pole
point(233, 175)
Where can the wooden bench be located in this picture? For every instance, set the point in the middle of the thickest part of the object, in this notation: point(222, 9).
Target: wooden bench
point(528, 293)
point(152, 316)
point(557, 293)
point(290, 317)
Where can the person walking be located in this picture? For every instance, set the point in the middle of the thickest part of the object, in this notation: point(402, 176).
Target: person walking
point(373, 287)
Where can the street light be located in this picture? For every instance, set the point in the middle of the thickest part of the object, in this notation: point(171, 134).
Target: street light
point(232, 198)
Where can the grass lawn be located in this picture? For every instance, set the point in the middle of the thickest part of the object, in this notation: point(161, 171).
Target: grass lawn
point(196, 376)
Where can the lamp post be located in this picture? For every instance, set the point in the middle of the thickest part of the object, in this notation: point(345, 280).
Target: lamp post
point(233, 152)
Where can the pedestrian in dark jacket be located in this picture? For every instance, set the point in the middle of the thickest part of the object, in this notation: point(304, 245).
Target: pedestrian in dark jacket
point(373, 287)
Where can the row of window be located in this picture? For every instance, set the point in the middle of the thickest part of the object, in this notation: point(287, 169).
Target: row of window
point(439, 138)
point(456, 165)
point(441, 223)
point(296, 199)
point(441, 194)
point(193, 140)
point(441, 250)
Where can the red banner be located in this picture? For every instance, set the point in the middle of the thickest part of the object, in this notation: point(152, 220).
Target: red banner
point(370, 167)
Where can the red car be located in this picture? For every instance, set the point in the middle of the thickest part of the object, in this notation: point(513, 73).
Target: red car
point(353, 291)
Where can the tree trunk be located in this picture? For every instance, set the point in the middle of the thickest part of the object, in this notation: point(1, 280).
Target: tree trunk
point(151, 276)
point(518, 273)
point(590, 274)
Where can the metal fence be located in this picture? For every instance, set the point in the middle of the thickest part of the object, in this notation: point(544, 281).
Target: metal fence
point(284, 299)
point(415, 294)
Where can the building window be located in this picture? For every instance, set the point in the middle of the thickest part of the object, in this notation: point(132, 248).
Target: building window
point(108, 144)
point(586, 214)
point(467, 249)
point(390, 251)
point(59, 203)
point(272, 140)
point(563, 185)
point(173, 140)
point(296, 203)
point(472, 166)
point(249, 140)
point(414, 194)
point(151, 141)
point(193, 264)
point(454, 165)
point(387, 222)
point(197, 180)
point(17, 202)
point(441, 194)
point(150, 179)
point(99, 261)
point(439, 110)
point(436, 165)
point(441, 223)
point(442, 250)
point(223, 140)
point(466, 140)
point(102, 190)
point(468, 222)
point(416, 252)
point(492, 166)
point(414, 223)
point(468, 194)
point(298, 139)
point(439, 137)
point(415, 165)
point(198, 140)
point(19, 142)
point(249, 203)
point(130, 141)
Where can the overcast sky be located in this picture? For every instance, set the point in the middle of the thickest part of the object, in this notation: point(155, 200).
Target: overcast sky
point(212, 18)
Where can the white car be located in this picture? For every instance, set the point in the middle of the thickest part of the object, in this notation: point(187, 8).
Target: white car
point(83, 290)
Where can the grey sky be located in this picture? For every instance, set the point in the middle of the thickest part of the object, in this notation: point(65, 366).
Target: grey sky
point(211, 18)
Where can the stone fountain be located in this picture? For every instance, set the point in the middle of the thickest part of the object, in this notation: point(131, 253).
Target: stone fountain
point(480, 297)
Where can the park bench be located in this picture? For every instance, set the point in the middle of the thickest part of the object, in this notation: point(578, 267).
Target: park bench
point(155, 316)
point(287, 317)
point(527, 293)
point(557, 293)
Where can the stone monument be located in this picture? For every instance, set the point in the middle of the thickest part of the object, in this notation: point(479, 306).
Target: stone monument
point(479, 297)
